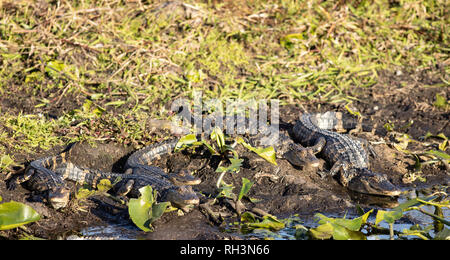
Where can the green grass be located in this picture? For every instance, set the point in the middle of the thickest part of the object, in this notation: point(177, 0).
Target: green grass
point(130, 61)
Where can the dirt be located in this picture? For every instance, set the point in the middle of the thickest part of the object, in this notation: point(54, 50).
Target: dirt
point(281, 190)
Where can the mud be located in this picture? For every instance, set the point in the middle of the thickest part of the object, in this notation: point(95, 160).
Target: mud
point(281, 190)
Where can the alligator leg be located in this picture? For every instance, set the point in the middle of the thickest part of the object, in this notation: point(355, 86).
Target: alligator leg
point(121, 191)
point(12, 184)
point(369, 148)
point(124, 189)
point(339, 167)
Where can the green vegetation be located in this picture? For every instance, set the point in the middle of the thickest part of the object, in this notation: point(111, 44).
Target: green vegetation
point(144, 210)
point(15, 214)
point(358, 228)
point(222, 149)
point(98, 70)
point(128, 61)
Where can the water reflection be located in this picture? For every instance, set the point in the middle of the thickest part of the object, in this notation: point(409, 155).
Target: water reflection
point(294, 224)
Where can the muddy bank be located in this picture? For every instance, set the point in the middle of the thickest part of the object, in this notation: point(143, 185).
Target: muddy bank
point(280, 190)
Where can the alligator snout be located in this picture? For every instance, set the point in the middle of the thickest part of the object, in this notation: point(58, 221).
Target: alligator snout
point(374, 184)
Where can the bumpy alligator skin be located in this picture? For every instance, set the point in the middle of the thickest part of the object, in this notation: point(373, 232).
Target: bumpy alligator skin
point(258, 134)
point(141, 160)
point(49, 174)
point(129, 184)
point(346, 154)
point(40, 179)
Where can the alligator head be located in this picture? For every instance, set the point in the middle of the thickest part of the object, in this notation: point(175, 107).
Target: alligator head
point(59, 197)
point(300, 156)
point(183, 177)
point(368, 182)
point(181, 197)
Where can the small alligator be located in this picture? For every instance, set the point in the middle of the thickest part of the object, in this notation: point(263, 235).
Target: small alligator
point(140, 161)
point(48, 175)
point(258, 135)
point(129, 184)
point(346, 155)
point(38, 178)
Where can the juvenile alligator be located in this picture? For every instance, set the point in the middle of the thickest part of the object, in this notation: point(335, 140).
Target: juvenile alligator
point(140, 162)
point(346, 155)
point(49, 174)
point(259, 134)
point(129, 184)
point(40, 179)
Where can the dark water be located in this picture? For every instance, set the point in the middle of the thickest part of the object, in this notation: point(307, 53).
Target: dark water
point(293, 224)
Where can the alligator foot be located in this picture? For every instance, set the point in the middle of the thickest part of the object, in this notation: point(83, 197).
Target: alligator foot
point(18, 179)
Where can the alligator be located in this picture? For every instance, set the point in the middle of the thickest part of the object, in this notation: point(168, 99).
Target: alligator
point(140, 161)
point(347, 155)
point(40, 179)
point(258, 134)
point(129, 184)
point(48, 175)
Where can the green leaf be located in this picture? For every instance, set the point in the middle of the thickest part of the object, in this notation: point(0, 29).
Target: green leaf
point(439, 154)
point(158, 210)
point(267, 153)
point(355, 113)
point(226, 190)
point(54, 68)
point(184, 141)
point(144, 210)
point(340, 228)
point(388, 216)
point(84, 193)
point(14, 214)
point(5, 161)
point(416, 230)
point(117, 103)
point(268, 222)
point(218, 135)
point(407, 204)
point(235, 166)
point(246, 185)
point(30, 237)
point(440, 102)
point(389, 127)
point(301, 232)
point(443, 145)
point(351, 224)
point(342, 233)
point(104, 185)
point(324, 231)
point(210, 148)
point(248, 217)
point(288, 41)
